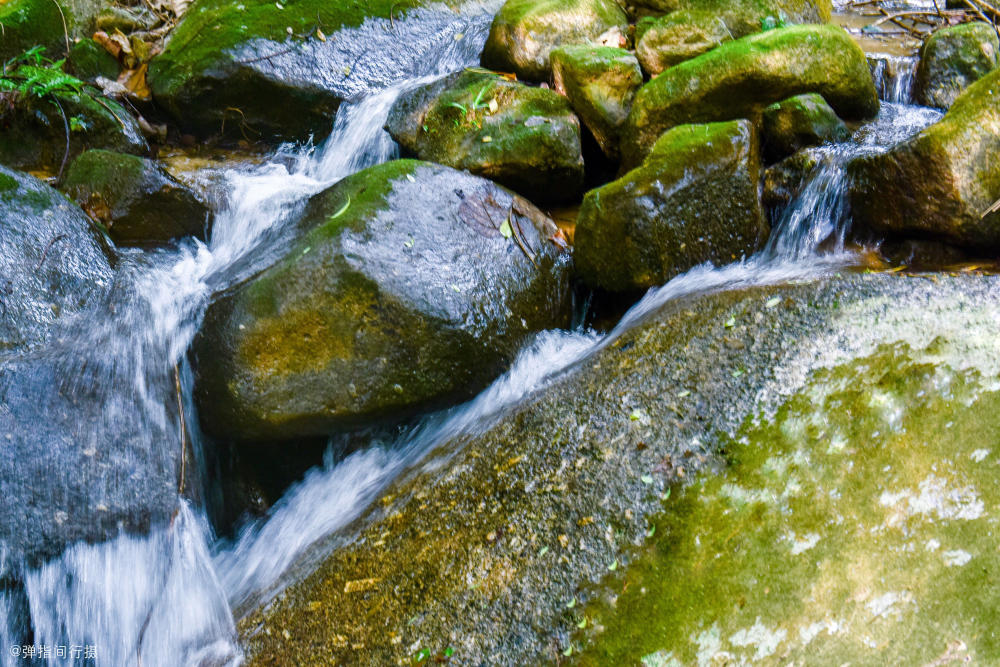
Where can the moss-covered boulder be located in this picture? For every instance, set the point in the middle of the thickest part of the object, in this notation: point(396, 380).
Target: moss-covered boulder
point(694, 200)
point(524, 32)
point(52, 259)
point(679, 36)
point(600, 82)
point(33, 130)
point(799, 122)
point(525, 138)
point(744, 17)
point(88, 60)
point(412, 286)
point(940, 183)
point(951, 59)
point(740, 78)
point(135, 199)
point(29, 23)
point(258, 69)
point(492, 557)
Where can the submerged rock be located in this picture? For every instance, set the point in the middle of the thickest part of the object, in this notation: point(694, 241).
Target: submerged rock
point(53, 263)
point(522, 137)
point(740, 78)
point(799, 122)
point(524, 32)
point(34, 132)
point(940, 183)
point(493, 556)
point(264, 70)
point(694, 200)
point(951, 59)
point(600, 82)
point(412, 286)
point(136, 200)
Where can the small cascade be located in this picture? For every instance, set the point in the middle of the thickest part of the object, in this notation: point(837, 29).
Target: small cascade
point(893, 76)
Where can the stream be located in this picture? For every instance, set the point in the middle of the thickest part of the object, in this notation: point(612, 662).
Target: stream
point(171, 596)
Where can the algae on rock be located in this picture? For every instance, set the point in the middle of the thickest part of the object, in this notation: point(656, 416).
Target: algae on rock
point(951, 59)
point(524, 138)
point(739, 78)
point(695, 199)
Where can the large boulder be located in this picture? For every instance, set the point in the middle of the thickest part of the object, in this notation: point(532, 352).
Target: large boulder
point(135, 198)
point(524, 32)
point(799, 122)
point(740, 78)
point(34, 129)
point(940, 183)
point(693, 200)
point(89, 448)
point(53, 262)
point(492, 556)
point(412, 286)
point(525, 138)
point(600, 82)
point(264, 70)
point(951, 59)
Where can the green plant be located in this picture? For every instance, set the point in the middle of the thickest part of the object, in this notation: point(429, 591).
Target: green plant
point(31, 75)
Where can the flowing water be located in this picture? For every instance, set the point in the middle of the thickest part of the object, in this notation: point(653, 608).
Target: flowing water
point(167, 597)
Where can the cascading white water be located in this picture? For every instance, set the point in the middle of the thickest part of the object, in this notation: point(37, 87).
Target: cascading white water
point(894, 76)
point(162, 598)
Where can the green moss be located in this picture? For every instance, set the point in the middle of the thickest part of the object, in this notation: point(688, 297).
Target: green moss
point(855, 525)
point(89, 61)
point(739, 78)
point(29, 23)
point(951, 59)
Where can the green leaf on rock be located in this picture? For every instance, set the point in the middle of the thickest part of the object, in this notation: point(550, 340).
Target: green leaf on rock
point(505, 229)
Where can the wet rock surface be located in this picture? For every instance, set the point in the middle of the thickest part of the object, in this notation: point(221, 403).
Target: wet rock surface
point(799, 122)
point(494, 558)
point(524, 32)
point(410, 286)
point(523, 137)
point(695, 199)
point(53, 261)
point(135, 199)
point(941, 183)
point(600, 82)
point(951, 59)
point(740, 78)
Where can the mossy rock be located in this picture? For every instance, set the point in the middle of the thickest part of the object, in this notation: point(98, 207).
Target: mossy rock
point(600, 82)
point(524, 32)
point(939, 183)
point(30, 23)
point(740, 78)
point(680, 36)
point(744, 17)
point(135, 199)
point(799, 122)
point(525, 138)
point(88, 60)
point(261, 70)
point(411, 286)
point(951, 59)
point(54, 261)
point(528, 531)
point(694, 200)
point(33, 132)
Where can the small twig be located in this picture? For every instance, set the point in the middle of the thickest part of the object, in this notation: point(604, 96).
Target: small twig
point(52, 242)
point(65, 29)
point(515, 229)
point(992, 209)
point(180, 410)
point(66, 128)
point(110, 111)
